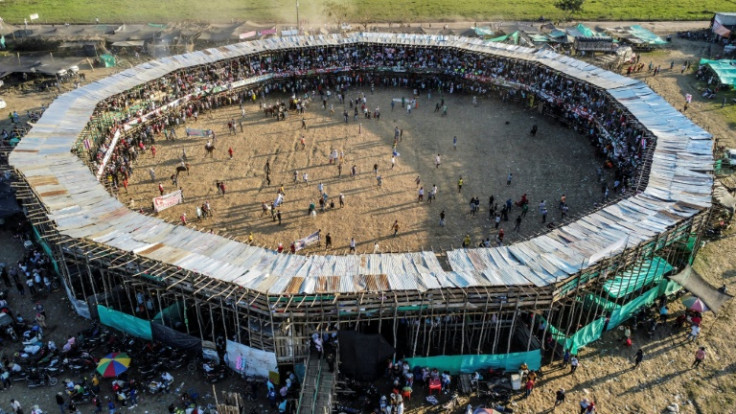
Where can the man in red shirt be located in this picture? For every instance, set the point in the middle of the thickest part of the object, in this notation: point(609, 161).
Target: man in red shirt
point(528, 388)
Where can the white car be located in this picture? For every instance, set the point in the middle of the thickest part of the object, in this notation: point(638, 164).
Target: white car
point(2, 103)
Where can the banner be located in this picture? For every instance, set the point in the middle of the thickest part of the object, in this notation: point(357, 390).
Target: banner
point(193, 132)
point(34, 16)
point(247, 35)
point(167, 200)
point(307, 241)
point(267, 32)
point(720, 29)
point(108, 153)
point(249, 361)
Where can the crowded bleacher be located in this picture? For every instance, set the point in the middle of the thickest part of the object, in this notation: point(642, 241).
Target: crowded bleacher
point(332, 72)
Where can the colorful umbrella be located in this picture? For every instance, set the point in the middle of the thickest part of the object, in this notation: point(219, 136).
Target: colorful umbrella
point(695, 304)
point(114, 364)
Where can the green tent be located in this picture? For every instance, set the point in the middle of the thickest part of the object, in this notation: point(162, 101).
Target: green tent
point(725, 70)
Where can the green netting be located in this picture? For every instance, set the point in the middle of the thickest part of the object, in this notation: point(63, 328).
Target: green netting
point(725, 69)
point(126, 323)
point(638, 276)
point(646, 36)
point(466, 364)
point(46, 248)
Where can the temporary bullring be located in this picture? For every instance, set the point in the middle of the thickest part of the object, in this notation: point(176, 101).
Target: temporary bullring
point(457, 310)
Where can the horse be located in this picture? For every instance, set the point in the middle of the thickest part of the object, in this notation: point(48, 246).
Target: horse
point(182, 168)
point(209, 148)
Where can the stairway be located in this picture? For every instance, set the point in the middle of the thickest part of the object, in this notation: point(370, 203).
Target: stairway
point(318, 387)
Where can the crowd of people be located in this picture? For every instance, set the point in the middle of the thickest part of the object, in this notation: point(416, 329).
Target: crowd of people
point(620, 140)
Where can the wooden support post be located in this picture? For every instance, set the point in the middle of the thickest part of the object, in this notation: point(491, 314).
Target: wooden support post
point(465, 311)
point(513, 325)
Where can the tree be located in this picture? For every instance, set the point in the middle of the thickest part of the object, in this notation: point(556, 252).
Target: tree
point(570, 6)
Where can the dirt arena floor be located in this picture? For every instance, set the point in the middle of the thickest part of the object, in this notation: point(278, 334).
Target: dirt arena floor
point(493, 141)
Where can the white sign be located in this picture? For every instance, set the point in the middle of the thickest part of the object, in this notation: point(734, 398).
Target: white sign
point(167, 200)
point(34, 16)
point(253, 362)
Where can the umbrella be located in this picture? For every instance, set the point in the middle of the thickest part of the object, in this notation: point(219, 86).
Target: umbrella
point(483, 410)
point(695, 304)
point(114, 364)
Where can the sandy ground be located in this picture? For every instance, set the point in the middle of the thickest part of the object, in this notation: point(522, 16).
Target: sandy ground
point(664, 376)
point(493, 140)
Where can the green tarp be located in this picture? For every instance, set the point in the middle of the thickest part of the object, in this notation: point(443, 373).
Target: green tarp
point(725, 70)
point(579, 339)
point(46, 248)
point(126, 323)
point(646, 36)
point(598, 303)
point(628, 310)
point(171, 315)
point(511, 38)
point(638, 276)
point(108, 60)
point(466, 364)
point(619, 314)
point(585, 30)
point(483, 31)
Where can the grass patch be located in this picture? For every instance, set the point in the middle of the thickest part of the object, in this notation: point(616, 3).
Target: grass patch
point(327, 11)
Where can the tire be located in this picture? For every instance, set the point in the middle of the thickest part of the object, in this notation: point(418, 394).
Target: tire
point(53, 381)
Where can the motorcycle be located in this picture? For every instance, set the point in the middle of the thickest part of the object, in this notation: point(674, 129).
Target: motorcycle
point(150, 372)
point(37, 378)
point(78, 364)
point(214, 373)
point(161, 385)
point(87, 395)
point(17, 376)
point(32, 336)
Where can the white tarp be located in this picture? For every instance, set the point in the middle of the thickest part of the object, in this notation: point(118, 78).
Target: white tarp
point(249, 361)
